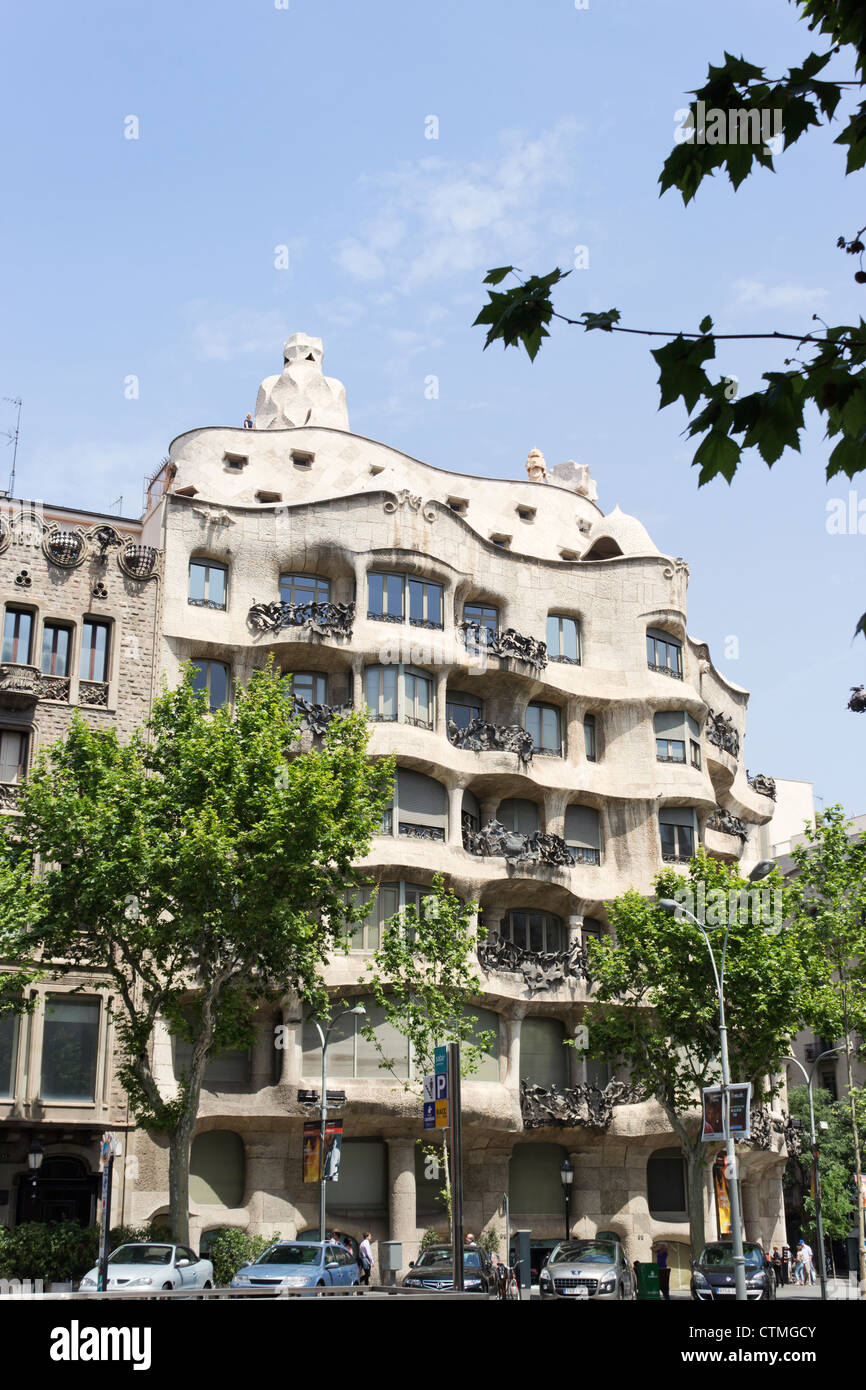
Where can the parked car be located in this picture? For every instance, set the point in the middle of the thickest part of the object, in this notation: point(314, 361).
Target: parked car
point(299, 1264)
point(582, 1269)
point(713, 1273)
point(434, 1269)
point(152, 1264)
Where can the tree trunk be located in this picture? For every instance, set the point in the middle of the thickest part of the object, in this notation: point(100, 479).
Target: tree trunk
point(179, 1145)
point(695, 1171)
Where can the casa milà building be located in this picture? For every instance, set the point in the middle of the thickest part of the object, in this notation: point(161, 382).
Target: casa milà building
point(558, 735)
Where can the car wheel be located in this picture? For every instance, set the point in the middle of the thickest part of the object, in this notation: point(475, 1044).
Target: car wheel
point(168, 1286)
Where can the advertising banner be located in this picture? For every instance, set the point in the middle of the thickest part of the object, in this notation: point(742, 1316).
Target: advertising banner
point(313, 1150)
point(723, 1198)
point(739, 1100)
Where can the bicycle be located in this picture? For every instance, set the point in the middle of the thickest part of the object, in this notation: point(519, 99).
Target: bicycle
point(508, 1284)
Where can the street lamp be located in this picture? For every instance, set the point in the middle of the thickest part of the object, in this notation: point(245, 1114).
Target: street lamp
point(35, 1155)
point(566, 1174)
point(324, 1038)
point(761, 870)
point(819, 1220)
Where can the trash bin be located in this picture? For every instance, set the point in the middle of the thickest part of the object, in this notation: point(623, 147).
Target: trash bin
point(647, 1280)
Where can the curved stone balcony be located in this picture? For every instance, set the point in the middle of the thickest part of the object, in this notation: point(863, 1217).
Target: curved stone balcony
point(325, 619)
point(19, 686)
point(541, 971)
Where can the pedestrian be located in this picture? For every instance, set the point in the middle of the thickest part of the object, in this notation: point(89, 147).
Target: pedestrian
point(664, 1271)
point(808, 1264)
point(248, 423)
point(800, 1263)
point(365, 1258)
point(470, 1239)
point(776, 1261)
point(785, 1269)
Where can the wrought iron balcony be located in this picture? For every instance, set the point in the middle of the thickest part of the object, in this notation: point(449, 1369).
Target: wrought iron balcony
point(207, 603)
point(325, 619)
point(477, 637)
point(765, 786)
point(54, 688)
point(574, 1106)
point(317, 718)
point(94, 693)
point(10, 793)
point(139, 560)
point(665, 671)
point(384, 617)
point(728, 824)
point(493, 839)
point(721, 732)
point(480, 737)
point(540, 969)
point(584, 854)
point(421, 832)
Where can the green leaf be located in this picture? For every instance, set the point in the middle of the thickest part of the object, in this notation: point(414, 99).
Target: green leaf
point(848, 457)
point(494, 277)
point(717, 454)
point(705, 324)
point(604, 321)
point(681, 373)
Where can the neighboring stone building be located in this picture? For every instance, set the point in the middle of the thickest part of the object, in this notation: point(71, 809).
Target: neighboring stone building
point(558, 736)
point(80, 609)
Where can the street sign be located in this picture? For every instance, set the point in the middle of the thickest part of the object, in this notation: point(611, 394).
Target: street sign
point(436, 1099)
point(429, 1114)
point(440, 1060)
point(441, 1114)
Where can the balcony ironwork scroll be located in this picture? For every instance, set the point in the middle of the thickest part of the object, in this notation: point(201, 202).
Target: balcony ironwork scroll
point(93, 693)
point(10, 793)
point(325, 619)
point(765, 786)
point(540, 969)
point(727, 823)
point(317, 718)
point(538, 848)
point(764, 1126)
point(480, 737)
point(505, 644)
point(574, 1106)
point(720, 731)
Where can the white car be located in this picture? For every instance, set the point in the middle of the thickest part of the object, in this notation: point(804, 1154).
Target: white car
point(152, 1265)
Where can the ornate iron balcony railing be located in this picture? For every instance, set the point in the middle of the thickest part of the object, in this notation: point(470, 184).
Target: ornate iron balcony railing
point(505, 644)
point(94, 693)
point(723, 820)
point(538, 848)
point(325, 619)
point(765, 786)
point(540, 969)
point(317, 717)
point(721, 732)
point(480, 737)
point(574, 1106)
point(665, 671)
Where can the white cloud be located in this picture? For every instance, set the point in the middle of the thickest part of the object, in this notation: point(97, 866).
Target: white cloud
point(755, 294)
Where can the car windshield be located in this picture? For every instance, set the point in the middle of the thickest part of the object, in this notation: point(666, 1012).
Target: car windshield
point(721, 1255)
point(585, 1252)
point(141, 1255)
point(291, 1255)
point(441, 1254)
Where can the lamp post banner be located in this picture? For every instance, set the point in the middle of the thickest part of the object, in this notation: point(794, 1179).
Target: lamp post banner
point(723, 1198)
point(739, 1105)
point(313, 1171)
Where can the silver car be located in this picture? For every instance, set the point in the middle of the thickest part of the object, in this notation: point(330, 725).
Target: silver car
point(153, 1265)
point(580, 1269)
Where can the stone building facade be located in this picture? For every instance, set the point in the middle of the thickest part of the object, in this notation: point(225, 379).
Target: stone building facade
point(81, 596)
point(558, 736)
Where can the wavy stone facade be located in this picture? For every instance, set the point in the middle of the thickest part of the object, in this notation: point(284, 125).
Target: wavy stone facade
point(539, 769)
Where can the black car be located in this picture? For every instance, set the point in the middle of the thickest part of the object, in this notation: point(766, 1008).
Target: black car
point(713, 1273)
point(434, 1269)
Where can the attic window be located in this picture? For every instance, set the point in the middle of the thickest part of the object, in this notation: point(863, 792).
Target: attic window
point(526, 513)
point(269, 497)
point(500, 540)
point(302, 460)
point(569, 555)
point(460, 505)
point(377, 468)
point(186, 492)
point(235, 461)
point(605, 548)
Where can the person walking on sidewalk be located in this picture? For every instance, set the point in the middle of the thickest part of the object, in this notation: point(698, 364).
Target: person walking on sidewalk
point(365, 1258)
point(664, 1271)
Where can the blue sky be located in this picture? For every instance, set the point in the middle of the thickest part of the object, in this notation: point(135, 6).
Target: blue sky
point(306, 127)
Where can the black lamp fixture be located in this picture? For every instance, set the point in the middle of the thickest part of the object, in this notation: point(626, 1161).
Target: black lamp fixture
point(35, 1155)
point(566, 1175)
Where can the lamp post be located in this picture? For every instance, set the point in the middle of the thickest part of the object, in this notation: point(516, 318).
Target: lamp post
point(35, 1155)
point(764, 867)
point(566, 1174)
point(819, 1220)
point(324, 1038)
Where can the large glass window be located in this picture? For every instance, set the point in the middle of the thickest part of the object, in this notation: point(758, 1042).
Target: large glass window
point(664, 653)
point(213, 678)
point(543, 1055)
point(484, 614)
point(590, 738)
point(678, 832)
point(674, 729)
point(399, 693)
point(543, 723)
point(470, 815)
point(228, 1070)
point(563, 639)
point(362, 1190)
point(94, 652)
point(13, 755)
point(583, 834)
point(304, 588)
point(385, 596)
point(461, 709)
point(207, 584)
point(350, 1053)
point(70, 1042)
point(217, 1168)
point(380, 692)
point(534, 1179)
point(533, 930)
point(518, 816)
point(390, 899)
point(425, 603)
point(419, 699)
point(8, 1053)
point(311, 686)
point(17, 635)
point(55, 650)
point(393, 597)
point(485, 1021)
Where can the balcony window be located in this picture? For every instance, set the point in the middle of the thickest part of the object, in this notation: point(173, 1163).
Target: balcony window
point(519, 816)
point(543, 724)
point(380, 692)
point(385, 597)
point(664, 653)
point(419, 700)
point(55, 650)
point(350, 1053)
point(592, 930)
point(207, 584)
point(590, 738)
point(213, 678)
point(304, 588)
point(673, 730)
point(533, 931)
point(390, 899)
point(470, 815)
point(392, 597)
point(678, 833)
point(70, 1045)
point(311, 686)
point(94, 652)
point(583, 834)
point(484, 614)
point(563, 639)
point(17, 636)
point(401, 693)
point(461, 709)
point(13, 755)
point(421, 806)
point(228, 1070)
point(8, 1053)
point(543, 1054)
point(425, 604)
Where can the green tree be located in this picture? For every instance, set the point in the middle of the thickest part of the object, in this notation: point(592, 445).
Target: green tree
point(200, 868)
point(837, 1162)
point(826, 369)
point(830, 902)
point(655, 1006)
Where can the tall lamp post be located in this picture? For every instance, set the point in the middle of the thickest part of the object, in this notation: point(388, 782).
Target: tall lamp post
point(677, 910)
point(35, 1155)
point(566, 1174)
point(324, 1038)
point(819, 1220)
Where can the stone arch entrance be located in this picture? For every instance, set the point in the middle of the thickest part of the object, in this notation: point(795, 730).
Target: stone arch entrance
point(64, 1190)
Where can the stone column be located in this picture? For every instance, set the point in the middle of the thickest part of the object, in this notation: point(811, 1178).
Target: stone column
point(573, 720)
point(489, 806)
point(513, 1020)
point(492, 918)
point(402, 1221)
point(356, 688)
point(440, 723)
point(291, 1056)
point(554, 813)
point(574, 929)
point(455, 809)
point(749, 1197)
